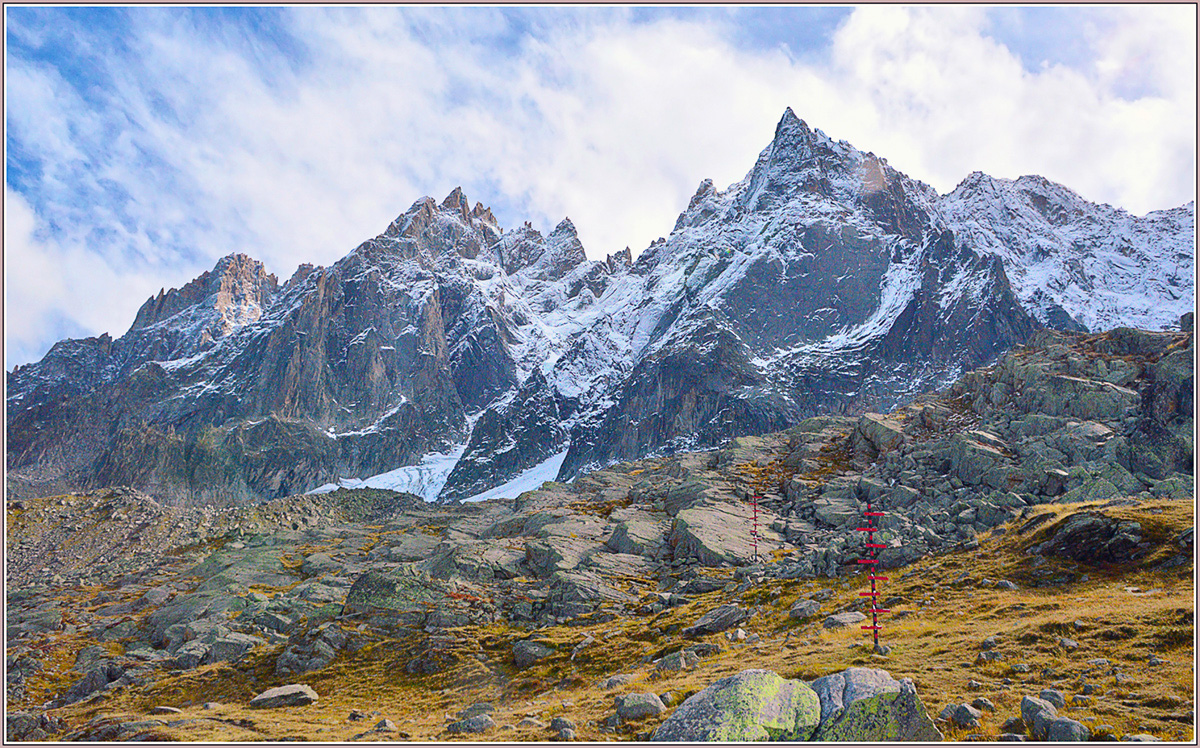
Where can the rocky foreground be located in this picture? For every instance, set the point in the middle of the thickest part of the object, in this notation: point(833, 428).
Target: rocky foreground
point(1038, 526)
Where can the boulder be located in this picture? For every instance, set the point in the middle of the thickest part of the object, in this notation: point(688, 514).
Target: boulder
point(615, 681)
point(754, 705)
point(231, 648)
point(478, 724)
point(677, 661)
point(618, 565)
point(482, 707)
point(860, 704)
point(476, 561)
point(837, 507)
point(804, 609)
point(1092, 537)
point(718, 532)
point(978, 458)
point(96, 679)
point(875, 434)
point(1065, 730)
point(526, 653)
point(1037, 714)
point(557, 553)
point(189, 610)
point(843, 620)
point(965, 715)
point(294, 694)
point(319, 563)
point(637, 532)
point(311, 650)
point(717, 620)
point(639, 706)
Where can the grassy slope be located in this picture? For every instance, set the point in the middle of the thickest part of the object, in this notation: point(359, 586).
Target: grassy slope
point(934, 632)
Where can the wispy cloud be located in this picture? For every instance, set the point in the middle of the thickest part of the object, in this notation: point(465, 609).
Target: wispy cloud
point(144, 143)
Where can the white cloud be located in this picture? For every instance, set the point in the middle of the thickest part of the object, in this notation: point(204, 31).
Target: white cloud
point(611, 122)
point(51, 290)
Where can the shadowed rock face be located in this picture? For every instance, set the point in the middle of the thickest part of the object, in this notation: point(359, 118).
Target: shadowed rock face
point(824, 282)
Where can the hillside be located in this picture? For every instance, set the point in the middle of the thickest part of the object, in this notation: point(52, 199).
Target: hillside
point(1039, 524)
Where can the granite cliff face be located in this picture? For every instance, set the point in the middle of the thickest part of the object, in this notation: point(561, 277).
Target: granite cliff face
point(447, 356)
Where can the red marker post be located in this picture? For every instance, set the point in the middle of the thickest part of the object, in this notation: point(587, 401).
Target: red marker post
point(754, 529)
point(873, 563)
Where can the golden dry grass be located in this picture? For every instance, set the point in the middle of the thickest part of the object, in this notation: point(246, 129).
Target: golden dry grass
point(935, 630)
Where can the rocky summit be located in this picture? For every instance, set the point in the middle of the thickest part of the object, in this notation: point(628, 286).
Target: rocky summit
point(1038, 555)
point(453, 359)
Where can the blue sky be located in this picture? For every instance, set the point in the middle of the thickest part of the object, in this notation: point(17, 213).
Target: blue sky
point(143, 143)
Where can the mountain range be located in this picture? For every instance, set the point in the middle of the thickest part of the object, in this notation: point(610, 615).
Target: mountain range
point(454, 359)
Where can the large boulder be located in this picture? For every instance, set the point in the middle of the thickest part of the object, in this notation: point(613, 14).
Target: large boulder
point(1037, 714)
point(527, 652)
point(411, 598)
point(475, 561)
point(557, 553)
point(717, 620)
point(189, 610)
point(979, 458)
point(753, 705)
point(838, 505)
point(875, 434)
point(295, 694)
point(861, 704)
point(1095, 538)
point(718, 532)
point(639, 706)
point(637, 532)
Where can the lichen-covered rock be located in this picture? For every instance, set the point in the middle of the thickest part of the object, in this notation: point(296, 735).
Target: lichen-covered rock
point(978, 458)
point(753, 705)
point(96, 679)
point(231, 648)
point(860, 704)
point(637, 532)
point(1066, 730)
point(311, 650)
point(677, 661)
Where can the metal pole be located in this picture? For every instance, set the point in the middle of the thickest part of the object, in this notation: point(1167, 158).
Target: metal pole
point(873, 562)
point(754, 529)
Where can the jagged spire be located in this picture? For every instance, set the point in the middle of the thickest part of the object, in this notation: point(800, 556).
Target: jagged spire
point(789, 123)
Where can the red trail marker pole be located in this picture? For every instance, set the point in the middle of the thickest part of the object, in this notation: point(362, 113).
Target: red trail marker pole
point(754, 528)
point(873, 562)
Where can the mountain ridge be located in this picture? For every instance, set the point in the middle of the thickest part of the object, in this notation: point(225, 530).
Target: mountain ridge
point(823, 282)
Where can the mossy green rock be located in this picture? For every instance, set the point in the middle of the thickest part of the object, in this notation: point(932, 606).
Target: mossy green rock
point(861, 704)
point(754, 705)
point(399, 589)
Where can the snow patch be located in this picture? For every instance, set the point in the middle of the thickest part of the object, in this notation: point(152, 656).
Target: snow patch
point(425, 479)
point(529, 480)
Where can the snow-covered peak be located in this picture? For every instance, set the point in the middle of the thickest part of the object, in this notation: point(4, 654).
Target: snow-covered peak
point(1074, 263)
